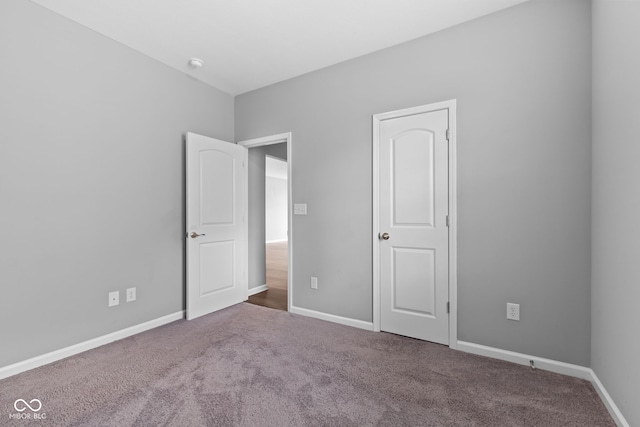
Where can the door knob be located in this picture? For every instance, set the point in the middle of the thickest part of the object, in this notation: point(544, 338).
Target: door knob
point(193, 235)
point(384, 236)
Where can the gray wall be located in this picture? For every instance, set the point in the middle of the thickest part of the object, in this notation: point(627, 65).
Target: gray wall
point(91, 180)
point(616, 205)
point(523, 84)
point(257, 231)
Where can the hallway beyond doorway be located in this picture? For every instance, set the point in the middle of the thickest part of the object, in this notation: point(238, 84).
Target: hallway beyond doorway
point(277, 269)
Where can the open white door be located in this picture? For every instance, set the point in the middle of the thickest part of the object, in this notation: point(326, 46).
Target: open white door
point(216, 232)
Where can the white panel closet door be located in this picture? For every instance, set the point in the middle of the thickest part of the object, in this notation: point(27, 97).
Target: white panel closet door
point(414, 245)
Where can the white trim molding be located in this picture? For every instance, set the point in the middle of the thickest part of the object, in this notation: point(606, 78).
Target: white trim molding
point(552, 366)
point(451, 106)
point(361, 324)
point(524, 359)
point(257, 290)
point(266, 140)
point(613, 409)
point(35, 362)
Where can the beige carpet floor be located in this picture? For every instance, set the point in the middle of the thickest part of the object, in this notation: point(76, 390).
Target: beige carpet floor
point(254, 366)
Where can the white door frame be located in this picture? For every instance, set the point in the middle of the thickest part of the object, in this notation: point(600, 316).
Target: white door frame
point(453, 250)
point(269, 140)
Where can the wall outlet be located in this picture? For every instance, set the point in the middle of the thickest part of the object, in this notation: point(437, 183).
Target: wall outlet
point(513, 311)
point(114, 298)
point(131, 294)
point(314, 283)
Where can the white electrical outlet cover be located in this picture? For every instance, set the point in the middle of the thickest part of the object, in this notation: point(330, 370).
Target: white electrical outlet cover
point(114, 298)
point(513, 311)
point(131, 294)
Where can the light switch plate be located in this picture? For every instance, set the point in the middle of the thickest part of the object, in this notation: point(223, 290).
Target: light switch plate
point(300, 209)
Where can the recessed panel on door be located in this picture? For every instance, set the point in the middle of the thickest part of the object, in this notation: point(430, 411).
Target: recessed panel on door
point(216, 266)
point(414, 281)
point(217, 185)
point(412, 174)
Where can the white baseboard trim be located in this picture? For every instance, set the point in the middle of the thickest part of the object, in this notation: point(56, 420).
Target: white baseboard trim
point(277, 241)
point(613, 409)
point(34, 362)
point(361, 324)
point(523, 359)
point(257, 290)
point(552, 366)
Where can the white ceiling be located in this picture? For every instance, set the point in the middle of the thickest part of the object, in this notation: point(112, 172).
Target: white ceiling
point(248, 44)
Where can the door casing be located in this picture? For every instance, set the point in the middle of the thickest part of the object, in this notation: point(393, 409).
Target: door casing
point(269, 140)
point(450, 105)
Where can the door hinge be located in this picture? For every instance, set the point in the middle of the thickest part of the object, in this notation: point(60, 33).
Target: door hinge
point(447, 306)
point(448, 134)
point(447, 220)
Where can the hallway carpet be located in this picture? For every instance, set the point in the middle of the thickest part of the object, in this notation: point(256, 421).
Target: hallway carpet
point(253, 366)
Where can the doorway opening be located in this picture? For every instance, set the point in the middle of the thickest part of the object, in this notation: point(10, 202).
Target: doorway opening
point(276, 222)
point(269, 223)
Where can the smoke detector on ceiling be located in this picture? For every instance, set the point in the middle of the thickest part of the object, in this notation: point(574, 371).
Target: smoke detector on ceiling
point(196, 63)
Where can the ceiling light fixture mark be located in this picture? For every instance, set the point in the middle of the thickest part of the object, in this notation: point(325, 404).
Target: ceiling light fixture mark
point(196, 63)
